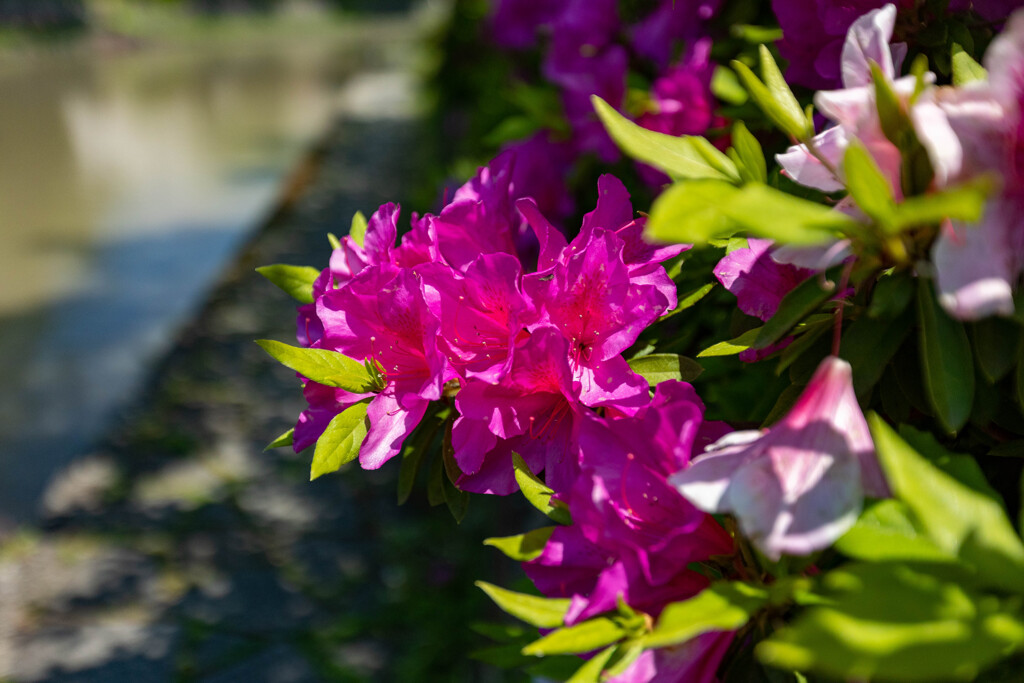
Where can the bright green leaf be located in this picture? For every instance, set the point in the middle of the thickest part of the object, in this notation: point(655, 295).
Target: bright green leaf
point(538, 493)
point(591, 671)
point(329, 368)
point(885, 531)
point(750, 153)
point(733, 346)
point(868, 187)
point(680, 157)
point(890, 621)
point(692, 212)
point(583, 637)
point(722, 606)
point(779, 105)
point(357, 231)
point(947, 365)
point(781, 93)
point(295, 281)
point(662, 367)
point(341, 440)
point(533, 609)
point(726, 86)
point(285, 439)
point(333, 240)
point(523, 547)
point(964, 202)
point(965, 68)
point(957, 519)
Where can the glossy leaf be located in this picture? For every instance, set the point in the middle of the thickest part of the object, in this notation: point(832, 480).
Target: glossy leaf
point(341, 440)
point(285, 439)
point(803, 300)
point(357, 231)
point(538, 493)
point(897, 621)
point(958, 519)
point(947, 365)
point(533, 609)
point(995, 342)
point(329, 368)
point(523, 547)
point(295, 281)
point(662, 367)
point(722, 606)
point(583, 637)
point(733, 346)
point(680, 157)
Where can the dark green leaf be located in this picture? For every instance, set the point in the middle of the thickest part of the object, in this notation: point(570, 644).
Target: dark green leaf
point(456, 500)
point(689, 299)
point(329, 368)
point(435, 483)
point(283, 440)
point(412, 458)
point(957, 519)
point(750, 154)
point(868, 187)
point(892, 294)
point(890, 621)
point(803, 300)
point(965, 68)
point(733, 346)
point(947, 365)
point(583, 637)
point(996, 341)
point(538, 493)
point(341, 440)
point(662, 367)
point(680, 157)
point(357, 231)
point(533, 609)
point(722, 606)
point(295, 281)
point(869, 344)
point(523, 547)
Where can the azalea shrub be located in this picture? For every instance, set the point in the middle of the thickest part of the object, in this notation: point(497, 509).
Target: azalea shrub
point(766, 387)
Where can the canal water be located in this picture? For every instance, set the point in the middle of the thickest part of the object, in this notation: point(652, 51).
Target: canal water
point(129, 174)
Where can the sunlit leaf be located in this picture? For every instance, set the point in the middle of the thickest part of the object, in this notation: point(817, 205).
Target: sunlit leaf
point(285, 439)
point(535, 610)
point(523, 547)
point(662, 367)
point(329, 368)
point(733, 346)
point(341, 440)
point(295, 281)
point(538, 493)
point(357, 231)
point(965, 68)
point(583, 637)
point(722, 606)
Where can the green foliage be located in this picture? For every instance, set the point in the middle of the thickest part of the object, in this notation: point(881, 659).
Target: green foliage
point(749, 155)
point(680, 157)
point(733, 346)
point(357, 231)
point(340, 442)
point(868, 187)
point(295, 281)
point(283, 440)
point(722, 606)
point(662, 367)
point(583, 637)
point(804, 299)
point(773, 96)
point(688, 300)
point(329, 368)
point(965, 68)
point(522, 547)
point(534, 610)
point(947, 365)
point(538, 493)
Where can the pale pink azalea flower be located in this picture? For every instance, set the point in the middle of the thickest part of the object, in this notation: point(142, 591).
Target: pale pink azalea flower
point(798, 486)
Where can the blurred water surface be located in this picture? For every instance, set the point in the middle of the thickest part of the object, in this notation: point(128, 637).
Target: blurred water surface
point(129, 174)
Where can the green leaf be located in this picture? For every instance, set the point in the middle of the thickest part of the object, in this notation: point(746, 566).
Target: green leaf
point(869, 344)
point(341, 440)
point(894, 621)
point(285, 439)
point(891, 116)
point(733, 346)
point(892, 294)
point(726, 86)
point(965, 68)
point(680, 157)
point(295, 281)
point(995, 342)
point(412, 458)
point(591, 671)
point(329, 368)
point(886, 530)
point(538, 493)
point(456, 499)
point(947, 365)
point(523, 547)
point(533, 609)
point(435, 483)
point(750, 154)
point(868, 187)
point(803, 300)
point(692, 212)
point(333, 241)
point(689, 299)
point(662, 367)
point(583, 637)
point(357, 231)
point(722, 606)
point(957, 518)
point(964, 202)
point(773, 96)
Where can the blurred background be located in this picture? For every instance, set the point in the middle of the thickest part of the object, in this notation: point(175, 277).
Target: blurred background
point(152, 154)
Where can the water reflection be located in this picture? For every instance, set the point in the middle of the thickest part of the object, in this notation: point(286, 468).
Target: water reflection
point(127, 178)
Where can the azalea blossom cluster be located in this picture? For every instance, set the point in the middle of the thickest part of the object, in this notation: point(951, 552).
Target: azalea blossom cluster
point(523, 345)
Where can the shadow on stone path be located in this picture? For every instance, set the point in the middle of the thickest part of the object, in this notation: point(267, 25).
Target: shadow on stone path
point(179, 550)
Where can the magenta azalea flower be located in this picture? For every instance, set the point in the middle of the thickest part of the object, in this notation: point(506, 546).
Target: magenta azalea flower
point(515, 23)
point(381, 314)
point(324, 404)
point(757, 280)
point(673, 21)
point(695, 661)
point(533, 411)
point(799, 486)
point(541, 167)
point(479, 312)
